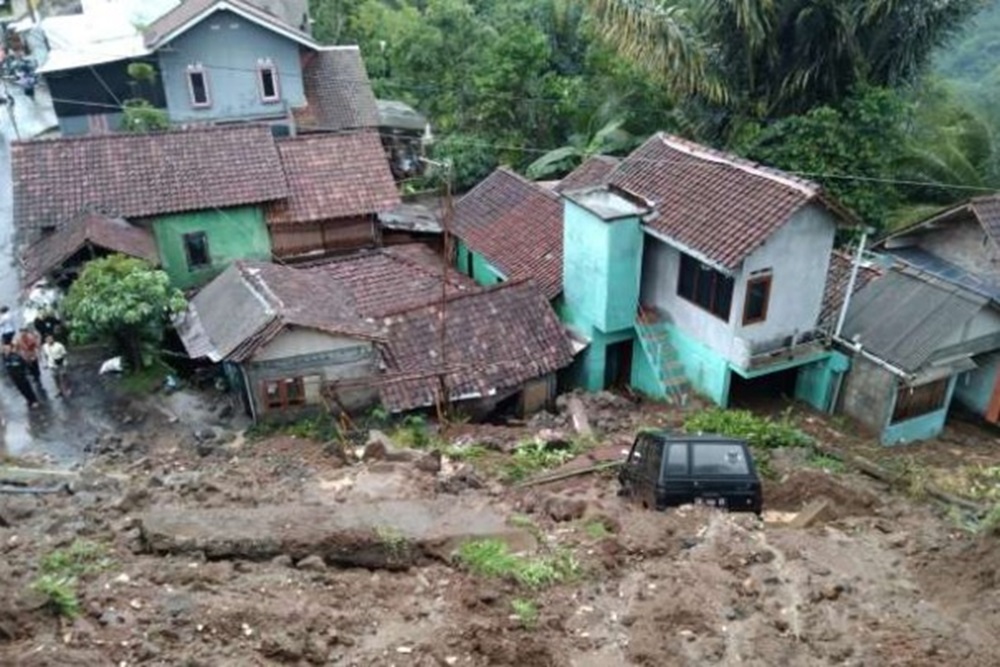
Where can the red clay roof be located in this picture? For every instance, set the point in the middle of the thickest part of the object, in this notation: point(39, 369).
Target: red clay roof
point(338, 92)
point(594, 171)
point(517, 226)
point(837, 278)
point(139, 175)
point(111, 234)
point(495, 340)
point(716, 204)
point(333, 176)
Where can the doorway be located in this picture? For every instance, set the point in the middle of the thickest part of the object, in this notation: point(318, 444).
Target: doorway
point(618, 364)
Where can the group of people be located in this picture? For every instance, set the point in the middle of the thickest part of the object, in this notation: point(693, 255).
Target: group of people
point(24, 352)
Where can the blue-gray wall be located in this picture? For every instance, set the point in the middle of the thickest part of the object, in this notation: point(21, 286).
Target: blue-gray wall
point(229, 47)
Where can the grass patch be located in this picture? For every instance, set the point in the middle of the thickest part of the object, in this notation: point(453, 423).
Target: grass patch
point(146, 380)
point(81, 557)
point(467, 453)
point(533, 457)
point(492, 558)
point(596, 530)
point(826, 462)
point(977, 482)
point(526, 612)
point(60, 593)
point(321, 427)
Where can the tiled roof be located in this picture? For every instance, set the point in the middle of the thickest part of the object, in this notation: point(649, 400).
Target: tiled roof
point(594, 171)
point(517, 226)
point(186, 14)
point(837, 278)
point(333, 176)
point(716, 204)
point(495, 341)
point(138, 175)
point(392, 279)
point(338, 92)
point(268, 297)
point(113, 234)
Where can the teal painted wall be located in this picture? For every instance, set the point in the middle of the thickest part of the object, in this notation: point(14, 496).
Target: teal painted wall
point(482, 271)
point(233, 233)
point(816, 381)
point(974, 389)
point(588, 369)
point(707, 371)
point(645, 378)
point(602, 262)
point(919, 428)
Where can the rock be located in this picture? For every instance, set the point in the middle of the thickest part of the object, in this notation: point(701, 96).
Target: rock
point(831, 591)
point(284, 560)
point(226, 411)
point(281, 647)
point(148, 651)
point(312, 563)
point(205, 435)
point(578, 415)
point(377, 446)
point(205, 447)
point(553, 439)
point(561, 508)
point(112, 617)
point(815, 512)
point(463, 478)
point(430, 462)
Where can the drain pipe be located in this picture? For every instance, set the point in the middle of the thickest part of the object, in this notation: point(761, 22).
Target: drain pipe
point(852, 281)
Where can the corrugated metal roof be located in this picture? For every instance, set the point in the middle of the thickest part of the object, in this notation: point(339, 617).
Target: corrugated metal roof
point(904, 316)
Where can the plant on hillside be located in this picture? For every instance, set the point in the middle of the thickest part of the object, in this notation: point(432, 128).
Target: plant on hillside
point(125, 302)
point(493, 558)
point(759, 432)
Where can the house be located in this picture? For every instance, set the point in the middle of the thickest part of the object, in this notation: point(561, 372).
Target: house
point(87, 237)
point(369, 324)
point(403, 132)
point(960, 245)
point(913, 336)
point(683, 267)
point(211, 61)
point(210, 195)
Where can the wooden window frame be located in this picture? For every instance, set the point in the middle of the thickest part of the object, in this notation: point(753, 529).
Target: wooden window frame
point(282, 401)
point(187, 251)
point(764, 279)
point(913, 402)
point(717, 277)
point(268, 67)
point(198, 69)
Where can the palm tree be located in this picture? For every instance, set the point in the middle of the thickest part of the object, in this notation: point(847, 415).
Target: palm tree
point(608, 139)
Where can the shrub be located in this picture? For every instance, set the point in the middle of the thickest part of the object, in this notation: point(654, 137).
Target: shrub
point(60, 592)
point(761, 432)
point(81, 557)
point(526, 612)
point(492, 558)
point(532, 457)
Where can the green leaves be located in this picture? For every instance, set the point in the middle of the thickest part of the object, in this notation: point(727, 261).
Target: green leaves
point(122, 300)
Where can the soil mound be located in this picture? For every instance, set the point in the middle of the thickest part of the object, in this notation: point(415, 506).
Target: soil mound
point(803, 486)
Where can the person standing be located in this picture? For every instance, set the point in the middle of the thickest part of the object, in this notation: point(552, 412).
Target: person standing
point(7, 328)
point(18, 372)
point(28, 346)
point(55, 359)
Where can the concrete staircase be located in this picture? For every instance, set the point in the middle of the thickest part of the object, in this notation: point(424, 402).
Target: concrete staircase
point(655, 342)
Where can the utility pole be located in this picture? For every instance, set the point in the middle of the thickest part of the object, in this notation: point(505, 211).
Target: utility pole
point(443, 403)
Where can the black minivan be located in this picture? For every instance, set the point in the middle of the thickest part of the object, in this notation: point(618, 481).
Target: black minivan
point(667, 470)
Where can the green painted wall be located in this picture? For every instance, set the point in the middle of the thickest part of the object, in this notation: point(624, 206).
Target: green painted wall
point(919, 428)
point(602, 262)
point(482, 271)
point(974, 389)
point(816, 381)
point(233, 233)
point(707, 371)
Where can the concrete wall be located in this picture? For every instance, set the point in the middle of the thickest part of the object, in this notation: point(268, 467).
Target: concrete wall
point(816, 382)
point(229, 49)
point(964, 243)
point(233, 233)
point(601, 267)
point(974, 389)
point(868, 394)
point(798, 257)
point(316, 357)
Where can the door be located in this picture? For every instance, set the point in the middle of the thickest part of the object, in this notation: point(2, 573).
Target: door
point(676, 487)
point(618, 364)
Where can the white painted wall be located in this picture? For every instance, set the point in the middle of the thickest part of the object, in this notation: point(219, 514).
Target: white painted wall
point(295, 341)
point(798, 255)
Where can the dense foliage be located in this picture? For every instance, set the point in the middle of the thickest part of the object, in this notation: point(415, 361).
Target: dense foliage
point(123, 301)
point(837, 91)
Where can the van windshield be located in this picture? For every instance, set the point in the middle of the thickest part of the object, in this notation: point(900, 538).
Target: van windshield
point(709, 458)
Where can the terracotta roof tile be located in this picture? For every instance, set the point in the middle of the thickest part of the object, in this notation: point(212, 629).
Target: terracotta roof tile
point(837, 278)
point(338, 92)
point(716, 204)
point(138, 175)
point(594, 171)
point(517, 226)
point(112, 234)
point(495, 341)
point(333, 176)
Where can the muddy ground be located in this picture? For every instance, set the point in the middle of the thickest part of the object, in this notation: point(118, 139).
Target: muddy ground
point(878, 579)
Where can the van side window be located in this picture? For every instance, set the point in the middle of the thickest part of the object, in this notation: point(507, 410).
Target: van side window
point(677, 459)
point(718, 459)
point(654, 459)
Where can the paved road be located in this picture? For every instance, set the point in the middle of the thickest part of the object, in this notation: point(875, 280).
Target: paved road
point(59, 429)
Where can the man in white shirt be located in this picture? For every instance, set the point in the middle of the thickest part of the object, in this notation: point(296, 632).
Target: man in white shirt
point(55, 359)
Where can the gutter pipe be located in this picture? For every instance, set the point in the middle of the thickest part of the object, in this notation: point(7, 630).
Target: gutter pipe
point(855, 267)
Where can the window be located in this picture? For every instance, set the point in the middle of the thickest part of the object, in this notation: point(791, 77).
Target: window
point(718, 459)
point(677, 459)
point(196, 249)
point(268, 80)
point(758, 296)
point(704, 286)
point(198, 87)
point(284, 393)
point(915, 401)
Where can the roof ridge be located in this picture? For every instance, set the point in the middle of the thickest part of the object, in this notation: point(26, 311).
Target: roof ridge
point(707, 153)
point(137, 136)
point(426, 270)
point(527, 181)
point(450, 298)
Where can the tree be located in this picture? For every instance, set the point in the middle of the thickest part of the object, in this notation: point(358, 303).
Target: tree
point(609, 139)
point(124, 301)
point(774, 58)
point(139, 116)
